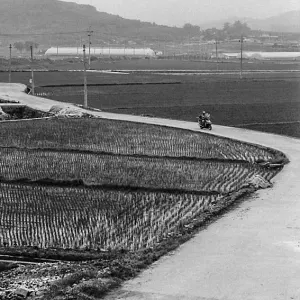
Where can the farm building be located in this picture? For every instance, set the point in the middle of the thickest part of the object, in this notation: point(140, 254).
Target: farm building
point(264, 55)
point(100, 51)
point(222, 55)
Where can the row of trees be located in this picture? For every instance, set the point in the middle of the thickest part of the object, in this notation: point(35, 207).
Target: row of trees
point(229, 31)
point(191, 29)
point(20, 46)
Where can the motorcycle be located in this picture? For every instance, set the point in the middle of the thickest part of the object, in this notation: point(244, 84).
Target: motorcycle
point(205, 123)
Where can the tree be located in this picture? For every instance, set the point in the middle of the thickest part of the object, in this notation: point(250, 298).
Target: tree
point(28, 44)
point(237, 29)
point(191, 29)
point(213, 34)
point(226, 27)
point(19, 46)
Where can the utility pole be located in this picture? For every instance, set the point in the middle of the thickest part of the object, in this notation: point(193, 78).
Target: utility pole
point(85, 103)
point(32, 74)
point(90, 35)
point(217, 55)
point(189, 41)
point(200, 52)
point(9, 75)
point(241, 69)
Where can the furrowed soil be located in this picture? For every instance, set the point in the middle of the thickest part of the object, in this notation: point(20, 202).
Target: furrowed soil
point(118, 229)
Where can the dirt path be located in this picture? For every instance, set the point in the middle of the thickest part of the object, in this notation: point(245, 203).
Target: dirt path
point(251, 253)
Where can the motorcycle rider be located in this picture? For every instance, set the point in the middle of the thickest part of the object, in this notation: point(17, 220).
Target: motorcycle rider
point(204, 117)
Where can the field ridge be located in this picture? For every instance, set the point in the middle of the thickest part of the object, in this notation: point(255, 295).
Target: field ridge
point(134, 155)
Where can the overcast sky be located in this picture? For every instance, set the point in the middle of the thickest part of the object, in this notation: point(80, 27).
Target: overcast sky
point(178, 12)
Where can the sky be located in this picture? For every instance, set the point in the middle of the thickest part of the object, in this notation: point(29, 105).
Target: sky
point(197, 12)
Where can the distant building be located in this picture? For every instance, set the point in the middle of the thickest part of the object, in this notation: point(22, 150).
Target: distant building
point(264, 55)
point(100, 52)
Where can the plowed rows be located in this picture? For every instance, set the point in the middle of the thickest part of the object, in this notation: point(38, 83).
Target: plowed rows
point(73, 217)
point(96, 169)
point(125, 138)
point(138, 183)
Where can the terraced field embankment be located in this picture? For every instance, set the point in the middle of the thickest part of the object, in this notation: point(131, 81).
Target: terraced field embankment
point(95, 175)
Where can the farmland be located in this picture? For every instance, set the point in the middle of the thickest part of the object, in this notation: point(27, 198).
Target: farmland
point(75, 218)
point(189, 63)
point(256, 102)
point(105, 184)
point(124, 138)
point(121, 194)
point(230, 101)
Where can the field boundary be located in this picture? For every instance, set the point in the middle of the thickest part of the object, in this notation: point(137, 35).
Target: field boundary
point(109, 84)
point(133, 155)
point(266, 123)
point(80, 183)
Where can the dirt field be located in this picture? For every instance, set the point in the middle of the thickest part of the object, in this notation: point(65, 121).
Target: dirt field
point(259, 101)
point(194, 65)
point(247, 103)
point(189, 63)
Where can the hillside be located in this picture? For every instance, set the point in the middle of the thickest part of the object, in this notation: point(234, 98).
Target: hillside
point(52, 16)
point(285, 22)
point(53, 22)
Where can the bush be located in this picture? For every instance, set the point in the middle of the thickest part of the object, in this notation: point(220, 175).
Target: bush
point(94, 58)
point(96, 288)
point(7, 266)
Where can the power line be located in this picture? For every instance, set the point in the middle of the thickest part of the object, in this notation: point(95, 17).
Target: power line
point(41, 34)
point(52, 33)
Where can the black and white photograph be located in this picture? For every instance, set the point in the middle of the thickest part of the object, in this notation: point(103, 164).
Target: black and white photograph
point(149, 150)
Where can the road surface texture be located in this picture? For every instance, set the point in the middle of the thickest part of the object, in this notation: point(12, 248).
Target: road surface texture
point(251, 253)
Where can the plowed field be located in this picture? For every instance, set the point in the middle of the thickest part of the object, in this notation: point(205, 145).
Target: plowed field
point(106, 184)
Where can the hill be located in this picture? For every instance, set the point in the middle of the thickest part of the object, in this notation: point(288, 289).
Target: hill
point(285, 22)
point(39, 17)
point(57, 23)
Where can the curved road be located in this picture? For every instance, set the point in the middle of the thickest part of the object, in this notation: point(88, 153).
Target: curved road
point(251, 253)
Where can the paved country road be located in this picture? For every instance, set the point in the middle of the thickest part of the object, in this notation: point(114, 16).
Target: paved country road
point(251, 253)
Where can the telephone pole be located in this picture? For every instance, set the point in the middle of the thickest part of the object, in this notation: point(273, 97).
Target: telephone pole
point(9, 75)
point(241, 69)
point(217, 57)
point(85, 101)
point(32, 74)
point(90, 35)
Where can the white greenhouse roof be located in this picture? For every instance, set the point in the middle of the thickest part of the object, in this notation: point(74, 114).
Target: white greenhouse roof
point(100, 51)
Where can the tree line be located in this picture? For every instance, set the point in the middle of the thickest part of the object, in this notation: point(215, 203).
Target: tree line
point(229, 31)
point(25, 46)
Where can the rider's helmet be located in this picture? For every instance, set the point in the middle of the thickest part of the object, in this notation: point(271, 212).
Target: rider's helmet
point(203, 112)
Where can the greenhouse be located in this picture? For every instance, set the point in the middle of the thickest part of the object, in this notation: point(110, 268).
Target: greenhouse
point(101, 51)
